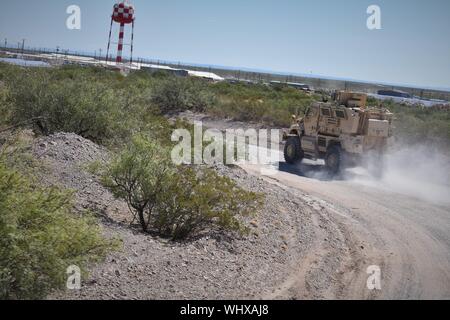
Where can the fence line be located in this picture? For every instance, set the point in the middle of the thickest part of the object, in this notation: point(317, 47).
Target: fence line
point(236, 74)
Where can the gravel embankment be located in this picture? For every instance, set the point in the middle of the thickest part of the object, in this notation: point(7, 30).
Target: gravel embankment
point(216, 266)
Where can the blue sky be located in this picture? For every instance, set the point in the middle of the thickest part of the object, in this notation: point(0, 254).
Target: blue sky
point(322, 37)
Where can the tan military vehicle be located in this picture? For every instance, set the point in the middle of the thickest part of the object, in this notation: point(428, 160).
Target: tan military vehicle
point(344, 133)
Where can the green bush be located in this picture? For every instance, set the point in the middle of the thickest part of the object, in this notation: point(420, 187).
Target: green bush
point(5, 107)
point(98, 104)
point(258, 103)
point(178, 94)
point(87, 108)
point(197, 199)
point(175, 201)
point(419, 125)
point(40, 237)
point(109, 108)
point(138, 175)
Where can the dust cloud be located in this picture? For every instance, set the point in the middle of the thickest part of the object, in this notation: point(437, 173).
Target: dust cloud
point(418, 171)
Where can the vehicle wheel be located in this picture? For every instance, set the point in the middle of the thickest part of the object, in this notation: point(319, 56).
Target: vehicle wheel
point(333, 159)
point(293, 152)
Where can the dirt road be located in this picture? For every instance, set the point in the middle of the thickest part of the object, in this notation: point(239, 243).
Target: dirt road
point(408, 237)
point(400, 224)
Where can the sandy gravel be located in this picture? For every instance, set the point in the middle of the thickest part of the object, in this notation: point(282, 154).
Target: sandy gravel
point(215, 266)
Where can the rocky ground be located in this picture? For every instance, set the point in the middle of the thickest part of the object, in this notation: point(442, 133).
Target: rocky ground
point(214, 266)
point(296, 248)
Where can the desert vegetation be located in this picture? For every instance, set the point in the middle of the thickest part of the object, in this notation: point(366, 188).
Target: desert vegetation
point(420, 125)
point(40, 233)
point(176, 201)
point(109, 108)
point(39, 229)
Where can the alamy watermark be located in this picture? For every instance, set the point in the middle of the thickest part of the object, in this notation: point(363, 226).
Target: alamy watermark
point(374, 279)
point(234, 146)
point(73, 22)
point(374, 19)
point(73, 277)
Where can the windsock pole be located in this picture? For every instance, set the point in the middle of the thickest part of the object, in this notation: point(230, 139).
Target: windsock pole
point(132, 39)
point(109, 39)
point(120, 45)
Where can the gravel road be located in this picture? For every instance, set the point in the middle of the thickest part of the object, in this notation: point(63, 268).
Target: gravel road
point(406, 236)
point(400, 224)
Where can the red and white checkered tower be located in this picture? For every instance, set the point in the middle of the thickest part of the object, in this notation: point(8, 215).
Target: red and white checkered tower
point(123, 14)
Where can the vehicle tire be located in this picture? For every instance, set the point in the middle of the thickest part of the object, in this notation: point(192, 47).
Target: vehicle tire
point(293, 152)
point(333, 159)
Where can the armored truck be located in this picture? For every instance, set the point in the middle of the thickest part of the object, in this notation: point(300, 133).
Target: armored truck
point(343, 132)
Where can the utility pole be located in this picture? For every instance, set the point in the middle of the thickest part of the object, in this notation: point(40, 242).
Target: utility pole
point(23, 46)
point(6, 42)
